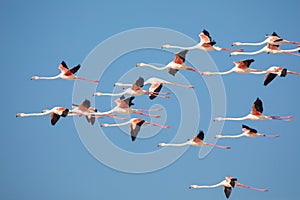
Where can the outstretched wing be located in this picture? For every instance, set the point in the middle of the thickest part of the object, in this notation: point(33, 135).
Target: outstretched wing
point(172, 71)
point(75, 69)
point(54, 118)
point(245, 128)
point(135, 128)
point(227, 191)
point(269, 78)
point(199, 137)
point(205, 37)
point(245, 63)
point(257, 107)
point(138, 84)
point(63, 67)
point(154, 89)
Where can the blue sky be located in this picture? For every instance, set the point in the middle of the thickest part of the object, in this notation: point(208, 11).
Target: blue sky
point(41, 161)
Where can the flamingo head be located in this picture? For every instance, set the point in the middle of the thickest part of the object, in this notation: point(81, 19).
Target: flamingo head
point(192, 186)
point(161, 145)
point(20, 114)
point(140, 64)
point(236, 44)
point(97, 94)
point(35, 78)
point(166, 46)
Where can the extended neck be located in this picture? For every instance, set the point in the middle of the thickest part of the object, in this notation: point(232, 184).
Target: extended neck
point(154, 67)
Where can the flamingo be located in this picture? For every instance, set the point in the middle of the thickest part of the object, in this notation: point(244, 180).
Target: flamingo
point(256, 114)
point(135, 90)
point(228, 184)
point(272, 39)
point(241, 67)
point(85, 109)
point(55, 114)
point(174, 66)
point(135, 126)
point(197, 141)
point(124, 107)
point(274, 71)
point(247, 132)
point(270, 49)
point(66, 74)
point(156, 85)
point(206, 44)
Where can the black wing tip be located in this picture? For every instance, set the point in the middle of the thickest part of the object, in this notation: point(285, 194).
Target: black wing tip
point(65, 112)
point(133, 138)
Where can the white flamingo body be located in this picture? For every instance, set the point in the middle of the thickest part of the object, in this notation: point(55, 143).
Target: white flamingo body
point(272, 39)
point(197, 141)
point(247, 132)
point(135, 90)
point(135, 126)
point(241, 67)
point(206, 44)
point(228, 184)
point(124, 108)
point(55, 114)
point(174, 66)
point(66, 74)
point(256, 114)
point(271, 49)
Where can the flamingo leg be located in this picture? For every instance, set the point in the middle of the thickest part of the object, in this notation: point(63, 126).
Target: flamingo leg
point(218, 146)
point(284, 118)
point(194, 70)
point(232, 50)
point(148, 115)
point(152, 110)
point(180, 85)
point(85, 79)
point(250, 187)
point(158, 125)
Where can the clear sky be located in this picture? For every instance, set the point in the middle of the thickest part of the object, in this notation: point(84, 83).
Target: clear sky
point(38, 161)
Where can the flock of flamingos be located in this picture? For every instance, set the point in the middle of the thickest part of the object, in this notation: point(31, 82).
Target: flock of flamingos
point(124, 104)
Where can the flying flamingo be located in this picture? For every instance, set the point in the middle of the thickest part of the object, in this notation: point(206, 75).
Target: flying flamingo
point(156, 85)
point(85, 109)
point(274, 71)
point(256, 114)
point(241, 67)
point(206, 44)
point(135, 126)
point(174, 66)
point(136, 90)
point(272, 39)
point(197, 141)
point(66, 74)
point(124, 107)
point(55, 114)
point(270, 49)
point(247, 132)
point(228, 184)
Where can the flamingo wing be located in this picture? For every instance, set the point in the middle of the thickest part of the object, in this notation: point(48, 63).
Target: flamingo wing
point(63, 67)
point(126, 103)
point(138, 84)
point(154, 89)
point(245, 63)
point(268, 78)
point(91, 119)
point(172, 71)
point(233, 182)
point(257, 107)
point(205, 37)
point(227, 191)
point(199, 137)
point(75, 69)
point(245, 128)
point(84, 106)
point(54, 118)
point(135, 128)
